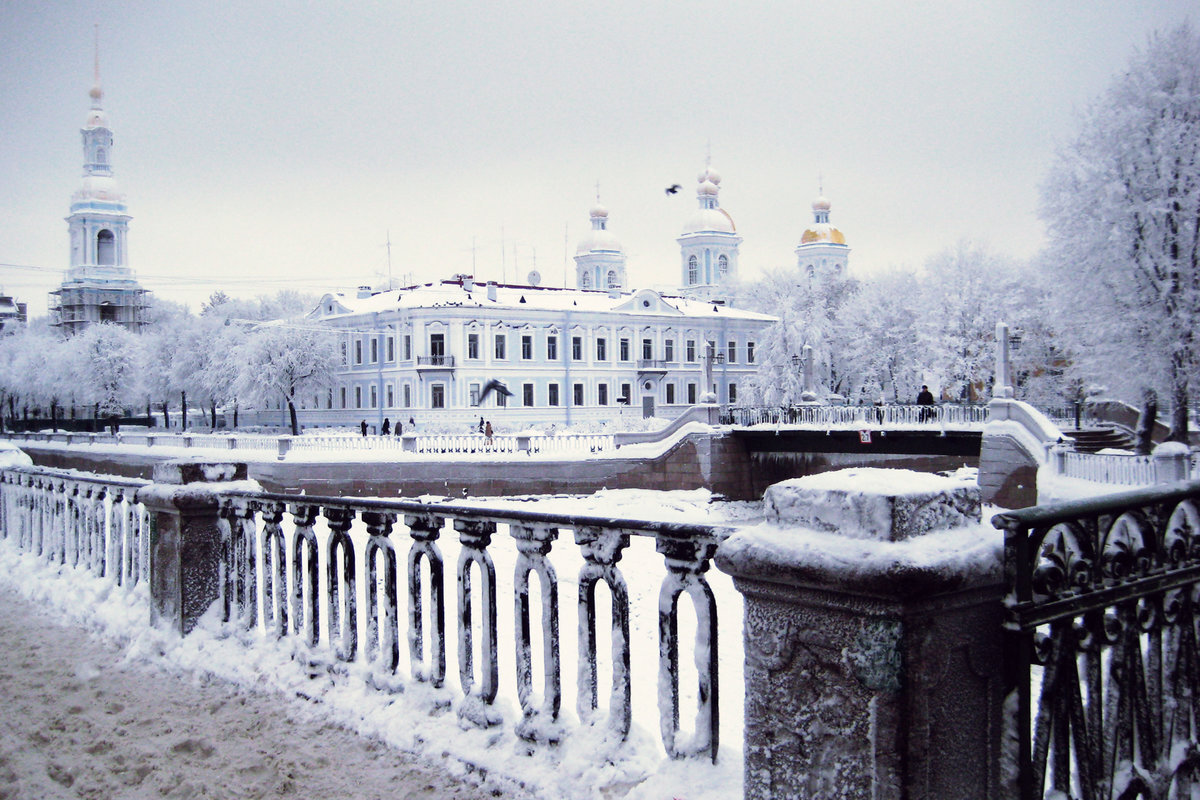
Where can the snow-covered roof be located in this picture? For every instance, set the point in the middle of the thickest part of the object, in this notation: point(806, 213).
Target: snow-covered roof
point(522, 298)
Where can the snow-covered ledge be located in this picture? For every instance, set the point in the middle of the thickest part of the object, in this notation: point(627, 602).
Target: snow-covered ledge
point(872, 638)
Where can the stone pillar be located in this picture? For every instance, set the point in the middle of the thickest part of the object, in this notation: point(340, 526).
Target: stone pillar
point(1172, 462)
point(872, 670)
point(185, 540)
point(285, 445)
point(1003, 383)
point(408, 443)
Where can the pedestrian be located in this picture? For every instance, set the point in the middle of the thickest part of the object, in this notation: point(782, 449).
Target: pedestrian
point(481, 424)
point(487, 432)
point(399, 428)
point(925, 401)
point(387, 427)
point(363, 427)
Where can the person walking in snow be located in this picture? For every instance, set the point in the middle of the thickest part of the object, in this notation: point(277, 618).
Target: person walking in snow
point(487, 433)
point(387, 427)
point(363, 427)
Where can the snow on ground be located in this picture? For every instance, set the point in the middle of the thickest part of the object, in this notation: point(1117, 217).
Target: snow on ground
point(95, 706)
point(588, 764)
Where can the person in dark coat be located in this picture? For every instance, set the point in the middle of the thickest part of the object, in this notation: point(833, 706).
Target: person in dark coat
point(387, 427)
point(363, 426)
point(487, 432)
point(925, 401)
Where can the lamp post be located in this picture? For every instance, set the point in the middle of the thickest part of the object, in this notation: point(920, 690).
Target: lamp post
point(804, 363)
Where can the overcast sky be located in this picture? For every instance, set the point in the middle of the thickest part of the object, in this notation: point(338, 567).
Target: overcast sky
point(270, 145)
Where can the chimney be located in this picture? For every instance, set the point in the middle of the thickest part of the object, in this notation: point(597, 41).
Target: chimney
point(491, 289)
point(364, 292)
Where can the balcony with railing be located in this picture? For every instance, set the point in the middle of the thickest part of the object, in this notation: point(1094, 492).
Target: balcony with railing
point(435, 362)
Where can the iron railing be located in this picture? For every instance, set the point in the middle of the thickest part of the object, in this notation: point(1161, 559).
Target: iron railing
point(72, 518)
point(359, 548)
point(1102, 662)
point(886, 415)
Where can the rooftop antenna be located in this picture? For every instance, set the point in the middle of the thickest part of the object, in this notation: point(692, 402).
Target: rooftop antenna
point(389, 257)
point(565, 246)
point(502, 263)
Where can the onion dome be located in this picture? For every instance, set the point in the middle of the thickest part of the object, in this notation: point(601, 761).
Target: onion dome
point(821, 231)
point(709, 217)
point(599, 237)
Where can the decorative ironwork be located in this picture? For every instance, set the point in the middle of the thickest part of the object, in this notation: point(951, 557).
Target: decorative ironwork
point(1102, 664)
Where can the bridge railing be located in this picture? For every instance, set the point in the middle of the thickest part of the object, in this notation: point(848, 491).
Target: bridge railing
point(1102, 660)
point(77, 519)
point(1127, 470)
point(842, 416)
point(299, 584)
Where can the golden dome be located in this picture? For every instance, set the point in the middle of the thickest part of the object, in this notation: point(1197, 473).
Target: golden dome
point(822, 232)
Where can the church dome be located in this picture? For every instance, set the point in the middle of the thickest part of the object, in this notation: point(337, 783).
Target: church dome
point(710, 219)
point(99, 187)
point(822, 232)
point(821, 204)
point(599, 238)
point(710, 175)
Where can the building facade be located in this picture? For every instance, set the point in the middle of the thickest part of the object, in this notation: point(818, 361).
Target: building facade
point(99, 286)
point(566, 355)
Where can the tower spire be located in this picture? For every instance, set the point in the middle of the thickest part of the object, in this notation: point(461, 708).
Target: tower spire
point(96, 93)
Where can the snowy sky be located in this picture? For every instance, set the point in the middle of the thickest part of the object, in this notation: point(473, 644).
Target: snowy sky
point(271, 145)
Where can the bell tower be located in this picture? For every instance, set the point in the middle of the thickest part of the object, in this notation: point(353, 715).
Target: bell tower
point(99, 285)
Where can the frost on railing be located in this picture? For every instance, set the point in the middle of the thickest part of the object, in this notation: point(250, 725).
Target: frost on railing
point(360, 548)
point(82, 521)
point(1116, 468)
point(846, 416)
point(1102, 661)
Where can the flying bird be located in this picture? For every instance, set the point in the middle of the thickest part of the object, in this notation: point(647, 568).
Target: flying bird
point(497, 387)
point(673, 188)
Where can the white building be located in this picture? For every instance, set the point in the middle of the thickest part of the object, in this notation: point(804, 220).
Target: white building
point(567, 355)
point(709, 244)
point(99, 285)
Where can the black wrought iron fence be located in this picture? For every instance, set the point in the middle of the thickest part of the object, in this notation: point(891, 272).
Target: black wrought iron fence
point(1102, 658)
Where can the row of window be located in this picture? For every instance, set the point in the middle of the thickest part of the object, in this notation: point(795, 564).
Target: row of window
point(687, 393)
point(437, 349)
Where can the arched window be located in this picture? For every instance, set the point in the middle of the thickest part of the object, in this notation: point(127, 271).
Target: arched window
point(101, 155)
point(613, 283)
point(106, 248)
point(586, 283)
point(722, 266)
point(693, 271)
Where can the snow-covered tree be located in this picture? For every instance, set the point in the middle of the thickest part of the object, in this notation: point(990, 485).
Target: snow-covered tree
point(1122, 206)
point(107, 367)
point(282, 361)
point(883, 353)
point(809, 313)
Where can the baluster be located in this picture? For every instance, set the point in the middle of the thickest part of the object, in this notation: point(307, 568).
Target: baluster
point(243, 567)
point(93, 531)
point(56, 530)
point(305, 575)
point(476, 708)
point(602, 549)
point(687, 560)
point(343, 615)
point(274, 570)
point(533, 545)
point(42, 489)
point(117, 524)
point(379, 528)
point(424, 530)
point(75, 518)
point(27, 513)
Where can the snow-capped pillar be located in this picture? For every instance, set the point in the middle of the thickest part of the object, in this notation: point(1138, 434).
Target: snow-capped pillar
point(1003, 383)
point(185, 540)
point(872, 648)
point(1172, 462)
